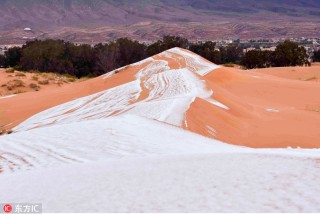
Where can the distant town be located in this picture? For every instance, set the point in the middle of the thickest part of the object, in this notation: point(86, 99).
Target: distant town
point(310, 44)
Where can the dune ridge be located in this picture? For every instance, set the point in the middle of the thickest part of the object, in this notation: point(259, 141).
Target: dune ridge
point(177, 87)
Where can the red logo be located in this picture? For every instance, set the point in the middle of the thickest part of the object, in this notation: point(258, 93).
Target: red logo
point(7, 208)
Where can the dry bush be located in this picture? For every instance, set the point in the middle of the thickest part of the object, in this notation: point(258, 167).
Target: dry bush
point(71, 79)
point(231, 65)
point(35, 77)
point(34, 86)
point(313, 108)
point(10, 70)
point(43, 82)
point(83, 79)
point(59, 82)
point(20, 74)
point(19, 91)
point(14, 84)
point(310, 79)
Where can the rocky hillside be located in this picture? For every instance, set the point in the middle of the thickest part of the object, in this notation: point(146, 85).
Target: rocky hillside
point(100, 20)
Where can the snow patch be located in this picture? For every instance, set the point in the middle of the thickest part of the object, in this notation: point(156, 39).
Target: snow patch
point(272, 110)
point(9, 96)
point(195, 62)
point(211, 131)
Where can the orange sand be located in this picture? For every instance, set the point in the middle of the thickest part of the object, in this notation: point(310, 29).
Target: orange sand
point(16, 109)
point(293, 121)
point(298, 73)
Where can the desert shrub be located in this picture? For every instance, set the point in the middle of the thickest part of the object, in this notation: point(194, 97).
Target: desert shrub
point(18, 83)
point(20, 74)
point(9, 70)
point(43, 82)
point(229, 64)
point(19, 91)
point(14, 84)
point(35, 78)
point(310, 78)
point(34, 86)
point(71, 79)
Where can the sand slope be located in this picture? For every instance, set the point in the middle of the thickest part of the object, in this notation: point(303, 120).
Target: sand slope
point(177, 87)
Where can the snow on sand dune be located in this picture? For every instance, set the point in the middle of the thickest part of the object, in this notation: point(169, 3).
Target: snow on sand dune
point(159, 93)
point(131, 146)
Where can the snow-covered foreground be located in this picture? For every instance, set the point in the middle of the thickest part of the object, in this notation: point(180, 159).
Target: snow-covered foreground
point(104, 139)
point(185, 183)
point(132, 164)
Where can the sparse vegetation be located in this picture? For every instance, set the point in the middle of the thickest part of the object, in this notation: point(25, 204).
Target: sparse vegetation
point(20, 74)
point(43, 82)
point(22, 82)
point(313, 108)
point(228, 65)
point(19, 91)
point(35, 77)
point(12, 84)
point(34, 86)
point(310, 78)
point(71, 79)
point(9, 70)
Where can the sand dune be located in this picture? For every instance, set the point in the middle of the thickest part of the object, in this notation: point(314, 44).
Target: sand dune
point(168, 134)
point(311, 74)
point(248, 108)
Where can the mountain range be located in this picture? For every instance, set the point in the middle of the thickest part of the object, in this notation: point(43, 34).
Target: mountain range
point(146, 20)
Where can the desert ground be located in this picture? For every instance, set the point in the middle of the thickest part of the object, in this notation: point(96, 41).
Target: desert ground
point(171, 133)
point(311, 73)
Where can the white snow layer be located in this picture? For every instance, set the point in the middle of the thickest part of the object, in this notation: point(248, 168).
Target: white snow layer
point(132, 164)
point(195, 62)
point(110, 138)
point(9, 96)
